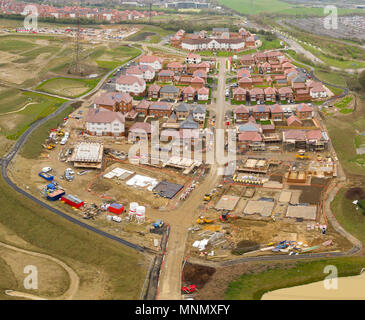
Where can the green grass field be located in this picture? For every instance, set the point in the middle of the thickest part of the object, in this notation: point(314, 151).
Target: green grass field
point(253, 286)
point(68, 87)
point(350, 219)
point(276, 6)
point(82, 250)
point(37, 106)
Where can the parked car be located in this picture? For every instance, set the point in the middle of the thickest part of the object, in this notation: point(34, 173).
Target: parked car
point(46, 169)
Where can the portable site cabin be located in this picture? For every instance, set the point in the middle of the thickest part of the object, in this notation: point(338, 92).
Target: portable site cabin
point(72, 201)
point(54, 195)
point(46, 176)
point(116, 208)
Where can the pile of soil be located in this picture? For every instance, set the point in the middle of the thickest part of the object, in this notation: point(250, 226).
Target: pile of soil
point(197, 274)
point(245, 246)
point(355, 194)
point(101, 186)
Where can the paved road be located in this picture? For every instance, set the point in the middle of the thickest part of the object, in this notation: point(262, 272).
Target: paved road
point(183, 217)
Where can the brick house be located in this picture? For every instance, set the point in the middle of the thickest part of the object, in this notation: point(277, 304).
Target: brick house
point(175, 67)
point(114, 101)
point(286, 94)
point(182, 111)
point(193, 58)
point(240, 94)
point(143, 107)
point(154, 91)
point(277, 113)
point(261, 112)
point(246, 140)
point(166, 75)
point(293, 121)
point(245, 83)
point(169, 92)
point(257, 95)
point(304, 111)
point(160, 109)
point(189, 93)
point(270, 94)
point(247, 60)
point(201, 74)
point(241, 113)
point(197, 82)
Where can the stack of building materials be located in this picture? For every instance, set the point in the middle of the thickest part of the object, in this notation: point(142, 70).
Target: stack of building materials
point(139, 181)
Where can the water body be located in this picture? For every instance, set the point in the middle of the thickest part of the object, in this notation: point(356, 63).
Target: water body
point(348, 288)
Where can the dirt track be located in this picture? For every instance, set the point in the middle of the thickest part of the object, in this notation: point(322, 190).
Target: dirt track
point(74, 278)
point(181, 219)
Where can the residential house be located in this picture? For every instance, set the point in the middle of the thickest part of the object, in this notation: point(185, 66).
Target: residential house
point(247, 140)
point(145, 72)
point(277, 112)
point(130, 84)
point(243, 73)
point(169, 92)
point(302, 95)
point(175, 67)
point(317, 90)
point(286, 94)
point(189, 123)
point(270, 94)
point(247, 60)
point(160, 109)
point(114, 101)
point(166, 75)
point(193, 58)
point(182, 111)
point(139, 131)
point(241, 113)
point(152, 61)
point(261, 113)
point(143, 107)
point(304, 111)
point(245, 83)
point(197, 82)
point(103, 122)
point(203, 94)
point(154, 91)
point(240, 94)
point(257, 95)
point(293, 121)
point(199, 113)
point(189, 93)
point(201, 74)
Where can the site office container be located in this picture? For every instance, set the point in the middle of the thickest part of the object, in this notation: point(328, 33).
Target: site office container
point(116, 208)
point(55, 195)
point(72, 201)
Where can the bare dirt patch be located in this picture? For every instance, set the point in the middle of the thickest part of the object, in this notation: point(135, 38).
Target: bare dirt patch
point(355, 194)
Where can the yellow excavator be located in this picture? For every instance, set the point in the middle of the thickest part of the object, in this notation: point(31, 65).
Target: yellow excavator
point(203, 220)
point(51, 146)
point(60, 133)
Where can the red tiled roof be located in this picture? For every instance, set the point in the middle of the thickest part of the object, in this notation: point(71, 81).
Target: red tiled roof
point(249, 136)
point(241, 109)
point(276, 109)
point(141, 127)
point(314, 135)
point(103, 116)
point(150, 59)
point(293, 119)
